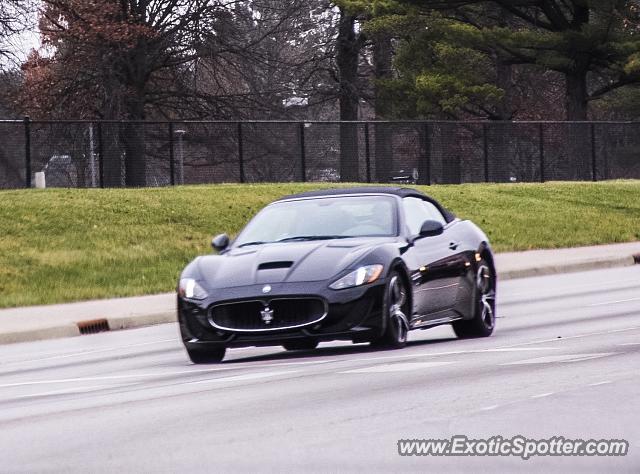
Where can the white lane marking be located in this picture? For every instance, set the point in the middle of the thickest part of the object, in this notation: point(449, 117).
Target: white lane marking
point(112, 377)
point(606, 303)
point(96, 351)
point(251, 376)
point(593, 356)
point(70, 391)
point(238, 365)
point(399, 367)
point(629, 344)
point(543, 395)
point(519, 349)
point(437, 354)
point(309, 362)
point(560, 358)
point(612, 331)
point(50, 355)
point(566, 338)
point(492, 407)
point(407, 356)
point(604, 382)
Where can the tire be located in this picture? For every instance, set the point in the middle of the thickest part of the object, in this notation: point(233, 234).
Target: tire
point(301, 345)
point(209, 356)
point(484, 305)
point(395, 309)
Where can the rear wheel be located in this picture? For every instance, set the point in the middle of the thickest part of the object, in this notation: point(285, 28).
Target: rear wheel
point(484, 318)
point(395, 310)
point(301, 345)
point(208, 356)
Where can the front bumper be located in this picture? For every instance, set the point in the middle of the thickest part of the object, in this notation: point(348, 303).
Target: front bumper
point(353, 314)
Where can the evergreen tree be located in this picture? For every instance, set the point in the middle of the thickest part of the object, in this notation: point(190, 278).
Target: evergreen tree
point(449, 46)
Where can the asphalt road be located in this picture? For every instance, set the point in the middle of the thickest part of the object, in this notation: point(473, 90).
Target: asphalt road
point(564, 361)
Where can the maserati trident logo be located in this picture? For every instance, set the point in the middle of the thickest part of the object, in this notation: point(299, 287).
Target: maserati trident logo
point(267, 315)
point(266, 289)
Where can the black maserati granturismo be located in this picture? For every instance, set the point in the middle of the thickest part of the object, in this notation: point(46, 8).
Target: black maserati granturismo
point(362, 264)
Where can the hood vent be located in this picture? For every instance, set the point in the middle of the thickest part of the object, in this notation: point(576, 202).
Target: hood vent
point(274, 265)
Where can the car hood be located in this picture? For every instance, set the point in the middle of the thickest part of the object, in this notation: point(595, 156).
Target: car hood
point(284, 262)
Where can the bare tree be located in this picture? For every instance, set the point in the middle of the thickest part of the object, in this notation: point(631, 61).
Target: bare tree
point(16, 17)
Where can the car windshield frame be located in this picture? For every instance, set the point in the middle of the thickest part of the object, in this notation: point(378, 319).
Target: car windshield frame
point(241, 242)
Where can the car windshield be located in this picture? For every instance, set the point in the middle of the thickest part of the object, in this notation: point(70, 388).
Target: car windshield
point(320, 219)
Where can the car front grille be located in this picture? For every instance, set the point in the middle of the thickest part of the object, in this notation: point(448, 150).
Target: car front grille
point(267, 315)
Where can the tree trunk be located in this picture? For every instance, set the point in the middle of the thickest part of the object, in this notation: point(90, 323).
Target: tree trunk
point(424, 164)
point(111, 155)
point(577, 135)
point(133, 140)
point(134, 149)
point(382, 61)
point(504, 80)
point(504, 70)
point(499, 135)
point(135, 69)
point(577, 96)
point(348, 49)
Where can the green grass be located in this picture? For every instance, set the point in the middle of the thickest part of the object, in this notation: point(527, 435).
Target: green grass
point(60, 245)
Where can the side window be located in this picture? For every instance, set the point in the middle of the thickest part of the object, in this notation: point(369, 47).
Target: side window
point(433, 211)
point(417, 211)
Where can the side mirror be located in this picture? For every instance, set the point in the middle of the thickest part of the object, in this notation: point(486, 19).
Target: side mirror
point(431, 228)
point(220, 242)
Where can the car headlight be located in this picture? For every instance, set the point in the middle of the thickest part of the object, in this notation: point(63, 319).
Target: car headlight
point(189, 288)
point(361, 276)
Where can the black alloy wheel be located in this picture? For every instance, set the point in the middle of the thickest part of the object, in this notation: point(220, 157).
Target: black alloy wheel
point(484, 319)
point(396, 308)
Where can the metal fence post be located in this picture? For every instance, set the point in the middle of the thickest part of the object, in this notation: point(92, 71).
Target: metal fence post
point(485, 144)
point(541, 148)
point(303, 156)
point(367, 151)
point(172, 163)
point(100, 155)
point(240, 152)
point(606, 166)
point(27, 151)
point(427, 154)
point(92, 155)
point(594, 165)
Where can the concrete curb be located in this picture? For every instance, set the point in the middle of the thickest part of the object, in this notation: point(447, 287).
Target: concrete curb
point(29, 335)
point(596, 264)
point(132, 322)
point(71, 329)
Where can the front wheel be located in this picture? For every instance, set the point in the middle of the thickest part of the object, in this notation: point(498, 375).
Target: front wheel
point(484, 307)
point(395, 310)
point(208, 356)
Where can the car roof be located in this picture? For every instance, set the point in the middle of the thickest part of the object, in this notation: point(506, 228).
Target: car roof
point(396, 191)
point(391, 190)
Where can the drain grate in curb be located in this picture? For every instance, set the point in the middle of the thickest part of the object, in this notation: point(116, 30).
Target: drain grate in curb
point(94, 326)
point(636, 258)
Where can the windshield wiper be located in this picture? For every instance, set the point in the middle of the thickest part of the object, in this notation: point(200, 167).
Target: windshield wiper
point(314, 237)
point(247, 244)
point(297, 237)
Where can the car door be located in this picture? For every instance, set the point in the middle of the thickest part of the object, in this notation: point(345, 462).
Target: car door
point(437, 265)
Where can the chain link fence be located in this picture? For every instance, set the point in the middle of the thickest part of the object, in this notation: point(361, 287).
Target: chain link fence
point(138, 154)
